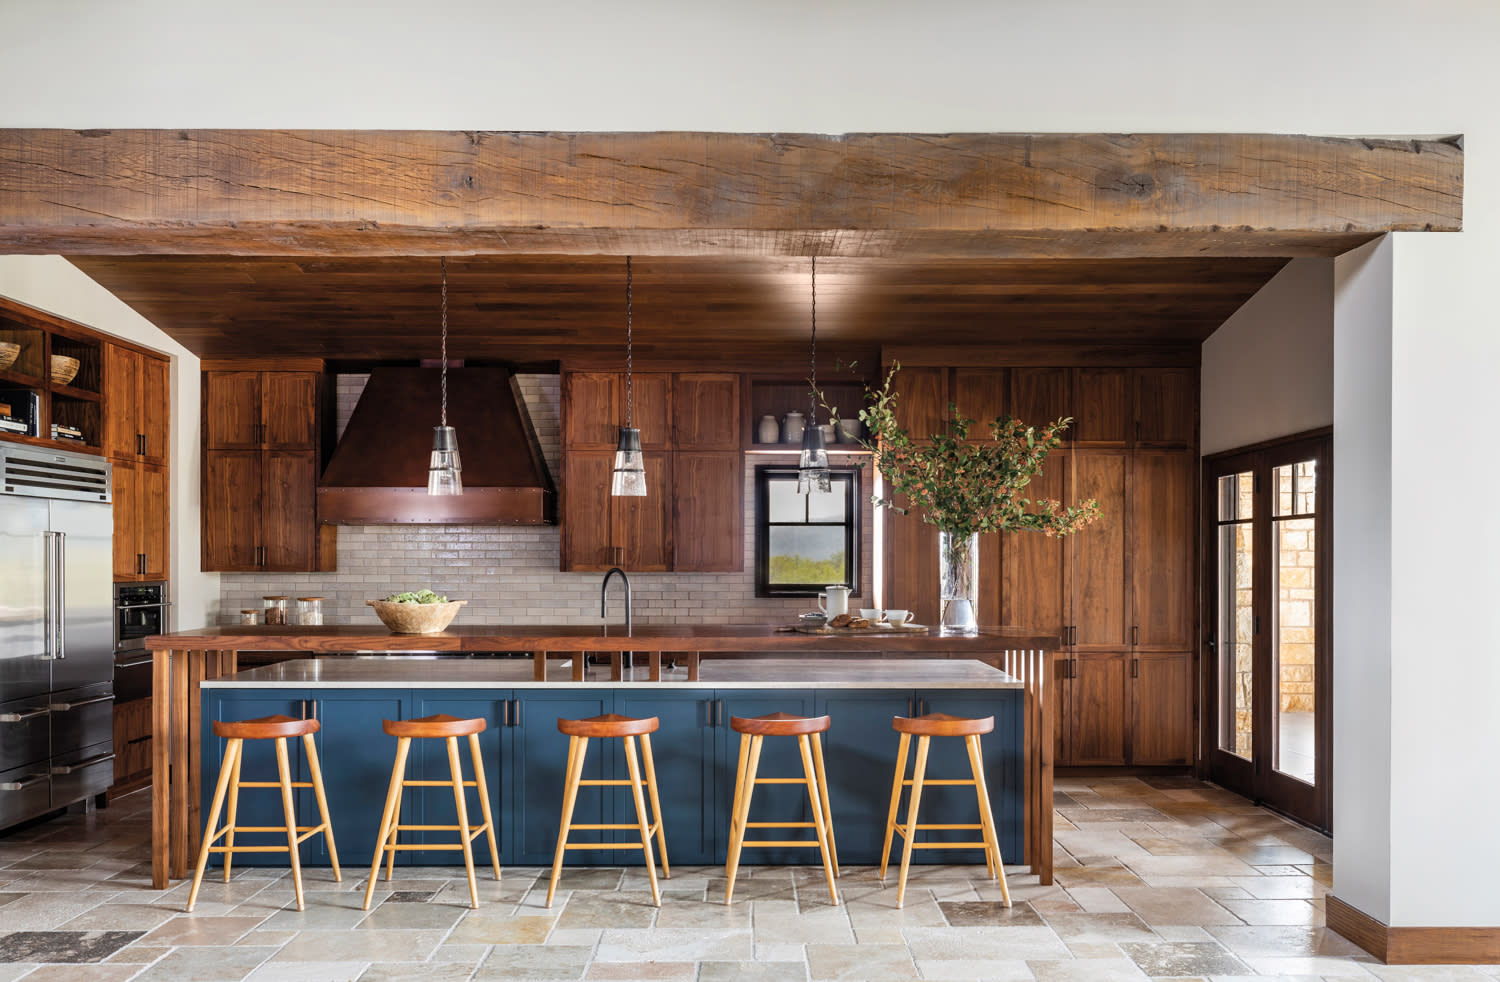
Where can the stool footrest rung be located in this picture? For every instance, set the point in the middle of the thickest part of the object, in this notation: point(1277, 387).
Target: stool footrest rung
point(620, 783)
point(266, 828)
point(277, 784)
point(632, 826)
point(781, 780)
point(604, 845)
point(473, 829)
point(781, 825)
point(249, 849)
point(434, 784)
point(781, 843)
point(943, 782)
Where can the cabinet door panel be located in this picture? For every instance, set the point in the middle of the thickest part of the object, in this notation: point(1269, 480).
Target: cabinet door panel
point(911, 564)
point(231, 410)
point(683, 752)
point(1004, 761)
point(1166, 406)
point(1102, 407)
point(860, 755)
point(1032, 581)
point(1041, 395)
point(586, 543)
point(642, 527)
point(356, 756)
point(708, 496)
point(707, 412)
point(980, 394)
point(289, 520)
point(231, 509)
point(434, 806)
point(1096, 708)
point(154, 413)
point(779, 757)
point(592, 410)
point(923, 404)
point(121, 401)
point(1161, 722)
point(127, 515)
point(154, 521)
point(538, 760)
point(1097, 571)
point(651, 408)
point(289, 406)
point(1162, 497)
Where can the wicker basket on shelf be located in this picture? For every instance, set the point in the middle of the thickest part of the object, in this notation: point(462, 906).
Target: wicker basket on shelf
point(416, 618)
point(9, 352)
point(64, 369)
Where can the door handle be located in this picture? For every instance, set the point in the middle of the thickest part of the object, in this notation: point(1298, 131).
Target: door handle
point(70, 768)
point(1135, 634)
point(140, 444)
point(24, 784)
point(19, 717)
point(63, 707)
point(1135, 668)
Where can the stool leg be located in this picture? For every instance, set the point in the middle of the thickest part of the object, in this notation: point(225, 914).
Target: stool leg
point(577, 748)
point(640, 816)
point(911, 816)
point(226, 769)
point(284, 773)
point(890, 817)
point(833, 848)
point(739, 790)
point(455, 769)
point(815, 799)
point(742, 817)
point(987, 815)
point(484, 801)
point(316, 773)
point(395, 835)
point(661, 829)
point(388, 818)
point(234, 804)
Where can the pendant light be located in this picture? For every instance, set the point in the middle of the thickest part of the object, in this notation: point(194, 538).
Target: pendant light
point(812, 465)
point(444, 470)
point(629, 480)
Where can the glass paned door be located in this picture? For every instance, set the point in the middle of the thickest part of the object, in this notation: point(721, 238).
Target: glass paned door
point(1268, 582)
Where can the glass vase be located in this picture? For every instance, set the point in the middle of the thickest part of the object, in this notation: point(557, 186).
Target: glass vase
point(958, 586)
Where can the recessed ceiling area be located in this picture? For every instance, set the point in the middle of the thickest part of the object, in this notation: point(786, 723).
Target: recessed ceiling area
point(533, 308)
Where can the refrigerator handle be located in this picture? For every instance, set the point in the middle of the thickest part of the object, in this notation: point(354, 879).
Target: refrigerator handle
point(61, 564)
point(52, 600)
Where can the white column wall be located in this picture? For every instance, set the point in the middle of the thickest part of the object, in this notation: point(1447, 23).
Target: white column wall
point(57, 286)
point(1375, 68)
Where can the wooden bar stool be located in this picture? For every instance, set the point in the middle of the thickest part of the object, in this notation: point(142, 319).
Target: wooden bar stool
point(439, 727)
point(579, 732)
point(924, 728)
point(280, 729)
point(753, 732)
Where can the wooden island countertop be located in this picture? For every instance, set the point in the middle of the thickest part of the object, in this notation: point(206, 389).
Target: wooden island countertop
point(183, 661)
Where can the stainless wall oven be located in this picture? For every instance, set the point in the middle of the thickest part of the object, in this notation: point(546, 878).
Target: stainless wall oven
point(140, 612)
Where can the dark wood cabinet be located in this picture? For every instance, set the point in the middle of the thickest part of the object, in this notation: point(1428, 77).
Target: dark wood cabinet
point(260, 472)
point(132, 742)
point(1032, 584)
point(138, 405)
point(692, 517)
point(709, 503)
point(127, 518)
point(1163, 496)
point(1166, 407)
point(922, 408)
point(1042, 395)
point(980, 394)
point(1098, 564)
point(141, 522)
point(1161, 708)
point(1101, 411)
point(1095, 714)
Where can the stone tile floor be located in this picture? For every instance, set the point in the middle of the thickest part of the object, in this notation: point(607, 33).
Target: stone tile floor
point(1157, 878)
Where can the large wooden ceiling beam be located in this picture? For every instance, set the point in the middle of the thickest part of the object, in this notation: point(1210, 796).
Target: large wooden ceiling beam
point(389, 193)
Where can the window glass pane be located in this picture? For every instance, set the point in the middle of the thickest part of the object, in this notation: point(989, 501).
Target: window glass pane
point(1307, 486)
point(1237, 638)
point(827, 507)
point(786, 504)
point(1295, 645)
point(810, 554)
point(1236, 496)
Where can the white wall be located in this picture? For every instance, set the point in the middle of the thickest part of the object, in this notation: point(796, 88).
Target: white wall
point(1376, 67)
point(1268, 370)
point(55, 285)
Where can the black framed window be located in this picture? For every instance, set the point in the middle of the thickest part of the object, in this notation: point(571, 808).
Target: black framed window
point(805, 543)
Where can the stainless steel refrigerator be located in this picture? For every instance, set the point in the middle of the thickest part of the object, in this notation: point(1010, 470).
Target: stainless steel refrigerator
point(56, 630)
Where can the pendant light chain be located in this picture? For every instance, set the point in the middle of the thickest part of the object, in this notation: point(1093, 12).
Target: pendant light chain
point(812, 394)
point(445, 340)
point(629, 346)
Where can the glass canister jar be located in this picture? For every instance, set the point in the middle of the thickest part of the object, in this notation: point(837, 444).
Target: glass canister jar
point(310, 611)
point(276, 610)
point(249, 618)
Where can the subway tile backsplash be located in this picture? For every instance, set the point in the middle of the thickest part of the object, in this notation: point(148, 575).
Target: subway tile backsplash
point(509, 575)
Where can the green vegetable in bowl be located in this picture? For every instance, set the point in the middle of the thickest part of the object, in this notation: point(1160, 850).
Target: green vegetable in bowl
point(420, 597)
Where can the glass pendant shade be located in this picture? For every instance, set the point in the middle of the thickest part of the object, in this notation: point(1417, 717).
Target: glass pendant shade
point(812, 465)
point(629, 480)
point(444, 469)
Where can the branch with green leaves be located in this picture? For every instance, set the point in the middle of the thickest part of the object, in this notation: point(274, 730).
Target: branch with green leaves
point(963, 485)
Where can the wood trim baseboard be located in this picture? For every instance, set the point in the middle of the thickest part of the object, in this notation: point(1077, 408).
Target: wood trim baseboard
point(1414, 945)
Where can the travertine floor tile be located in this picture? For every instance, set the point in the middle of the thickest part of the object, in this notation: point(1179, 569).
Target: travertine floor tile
point(1174, 905)
point(533, 962)
point(206, 965)
point(861, 963)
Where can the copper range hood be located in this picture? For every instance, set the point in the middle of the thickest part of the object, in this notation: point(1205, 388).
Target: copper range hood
point(378, 474)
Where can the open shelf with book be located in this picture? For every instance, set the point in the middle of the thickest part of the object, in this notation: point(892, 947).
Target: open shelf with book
point(51, 380)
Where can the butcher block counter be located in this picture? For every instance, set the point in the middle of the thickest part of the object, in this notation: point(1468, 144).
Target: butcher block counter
point(675, 657)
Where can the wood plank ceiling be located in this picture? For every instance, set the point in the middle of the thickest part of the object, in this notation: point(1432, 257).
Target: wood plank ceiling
point(714, 309)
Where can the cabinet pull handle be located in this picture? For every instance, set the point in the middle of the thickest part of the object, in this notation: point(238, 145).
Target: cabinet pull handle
point(909, 708)
point(1072, 668)
point(1135, 668)
point(1135, 634)
point(518, 713)
point(304, 709)
point(314, 709)
point(505, 712)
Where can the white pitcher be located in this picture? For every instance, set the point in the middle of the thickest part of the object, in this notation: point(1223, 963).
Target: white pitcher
point(834, 600)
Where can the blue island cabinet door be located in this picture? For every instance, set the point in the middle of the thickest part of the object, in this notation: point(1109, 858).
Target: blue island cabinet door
point(258, 806)
point(1004, 751)
point(429, 762)
point(356, 757)
point(860, 756)
point(683, 751)
point(779, 757)
point(538, 759)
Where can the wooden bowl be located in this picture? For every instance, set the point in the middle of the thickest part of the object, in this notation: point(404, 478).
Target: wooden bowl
point(9, 352)
point(63, 369)
point(416, 618)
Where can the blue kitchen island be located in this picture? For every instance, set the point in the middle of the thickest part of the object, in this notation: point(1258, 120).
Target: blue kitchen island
point(695, 750)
